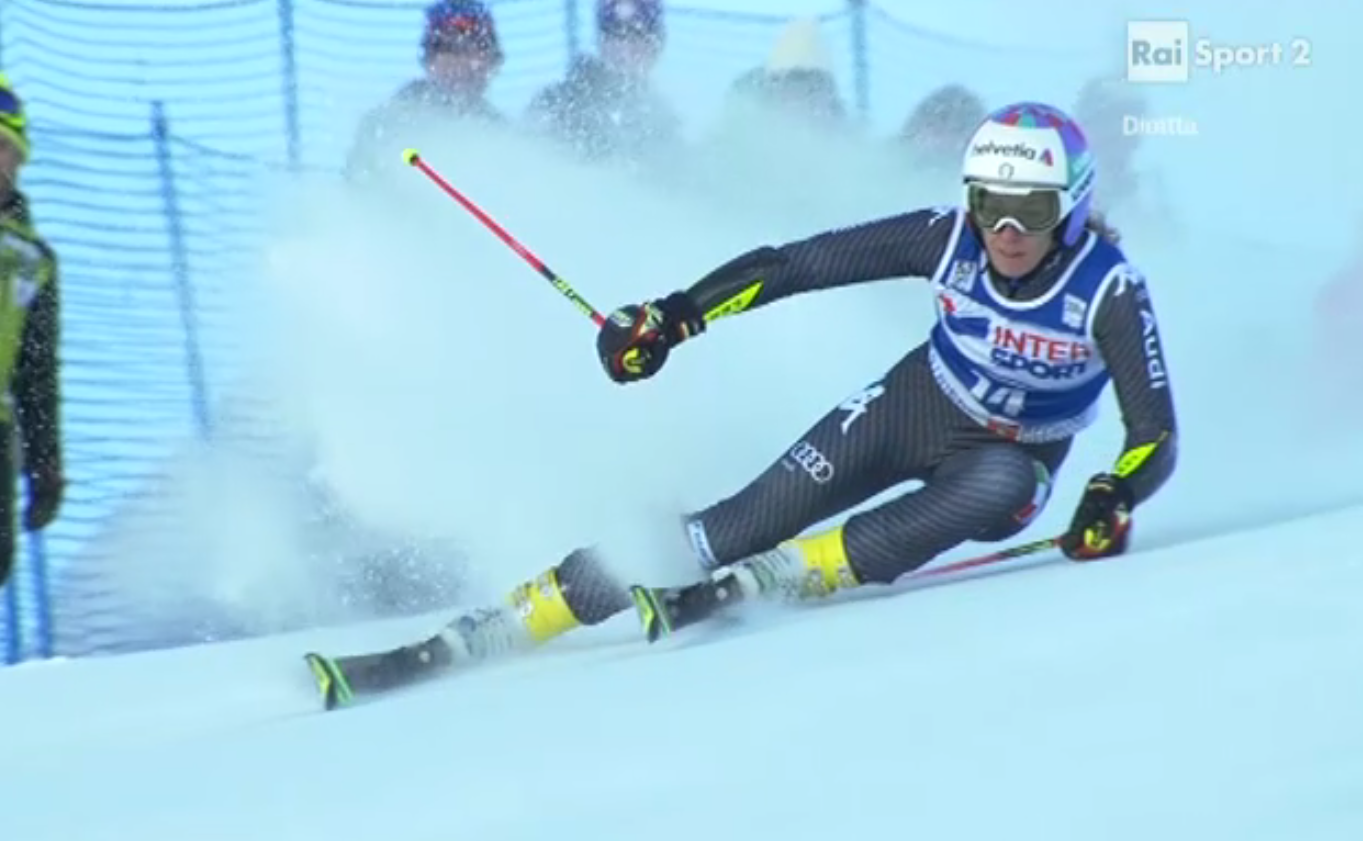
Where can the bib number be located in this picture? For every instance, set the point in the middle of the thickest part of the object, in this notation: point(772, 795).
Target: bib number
point(1003, 399)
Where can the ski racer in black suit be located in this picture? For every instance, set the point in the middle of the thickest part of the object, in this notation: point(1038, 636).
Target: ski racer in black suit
point(1038, 311)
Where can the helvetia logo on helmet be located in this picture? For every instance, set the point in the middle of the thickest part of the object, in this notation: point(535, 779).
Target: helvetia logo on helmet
point(1012, 150)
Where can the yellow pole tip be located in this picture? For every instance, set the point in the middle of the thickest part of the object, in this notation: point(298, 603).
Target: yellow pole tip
point(409, 155)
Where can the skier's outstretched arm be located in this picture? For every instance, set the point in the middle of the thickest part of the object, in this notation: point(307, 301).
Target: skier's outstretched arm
point(907, 245)
point(635, 340)
point(1128, 338)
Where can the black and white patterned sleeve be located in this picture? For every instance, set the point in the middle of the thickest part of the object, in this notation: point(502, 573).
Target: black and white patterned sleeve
point(907, 245)
point(1128, 338)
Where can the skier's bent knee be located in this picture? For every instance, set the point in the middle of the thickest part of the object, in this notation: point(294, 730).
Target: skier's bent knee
point(1028, 501)
point(986, 494)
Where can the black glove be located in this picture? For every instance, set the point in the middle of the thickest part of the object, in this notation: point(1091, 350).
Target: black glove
point(46, 489)
point(634, 341)
point(1102, 522)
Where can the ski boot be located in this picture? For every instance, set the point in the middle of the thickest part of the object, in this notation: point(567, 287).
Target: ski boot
point(796, 571)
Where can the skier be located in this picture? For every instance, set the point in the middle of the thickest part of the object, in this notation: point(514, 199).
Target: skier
point(461, 53)
point(796, 81)
point(1037, 310)
point(29, 337)
point(606, 108)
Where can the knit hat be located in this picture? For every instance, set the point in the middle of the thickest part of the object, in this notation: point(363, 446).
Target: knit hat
point(13, 125)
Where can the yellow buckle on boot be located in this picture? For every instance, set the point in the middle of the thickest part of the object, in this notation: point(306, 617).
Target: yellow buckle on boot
point(826, 566)
point(541, 607)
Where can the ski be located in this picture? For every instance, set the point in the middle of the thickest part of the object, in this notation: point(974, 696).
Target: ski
point(341, 681)
point(331, 681)
point(664, 610)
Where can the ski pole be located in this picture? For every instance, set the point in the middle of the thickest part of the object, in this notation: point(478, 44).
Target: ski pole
point(992, 558)
point(412, 157)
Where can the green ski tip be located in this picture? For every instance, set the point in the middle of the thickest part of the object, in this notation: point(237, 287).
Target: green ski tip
point(651, 614)
point(331, 680)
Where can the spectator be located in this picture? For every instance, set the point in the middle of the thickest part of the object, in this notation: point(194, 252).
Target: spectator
point(929, 147)
point(606, 107)
point(1103, 108)
point(1338, 315)
point(784, 150)
point(1107, 107)
point(936, 132)
point(29, 338)
point(796, 81)
point(461, 54)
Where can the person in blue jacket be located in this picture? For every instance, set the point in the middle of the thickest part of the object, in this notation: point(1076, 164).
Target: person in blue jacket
point(461, 54)
point(607, 108)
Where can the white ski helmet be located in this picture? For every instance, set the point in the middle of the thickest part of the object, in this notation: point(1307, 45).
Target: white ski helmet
point(1033, 149)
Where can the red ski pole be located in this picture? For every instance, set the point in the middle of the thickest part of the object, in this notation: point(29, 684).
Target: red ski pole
point(992, 558)
point(412, 157)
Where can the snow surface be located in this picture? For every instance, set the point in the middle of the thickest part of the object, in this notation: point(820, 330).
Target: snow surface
point(1205, 687)
point(1207, 691)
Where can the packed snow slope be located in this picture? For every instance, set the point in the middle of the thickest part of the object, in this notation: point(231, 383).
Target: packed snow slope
point(1209, 692)
point(1206, 686)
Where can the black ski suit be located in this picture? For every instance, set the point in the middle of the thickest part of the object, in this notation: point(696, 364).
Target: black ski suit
point(980, 483)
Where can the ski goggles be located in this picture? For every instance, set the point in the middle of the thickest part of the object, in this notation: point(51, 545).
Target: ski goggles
point(1030, 210)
